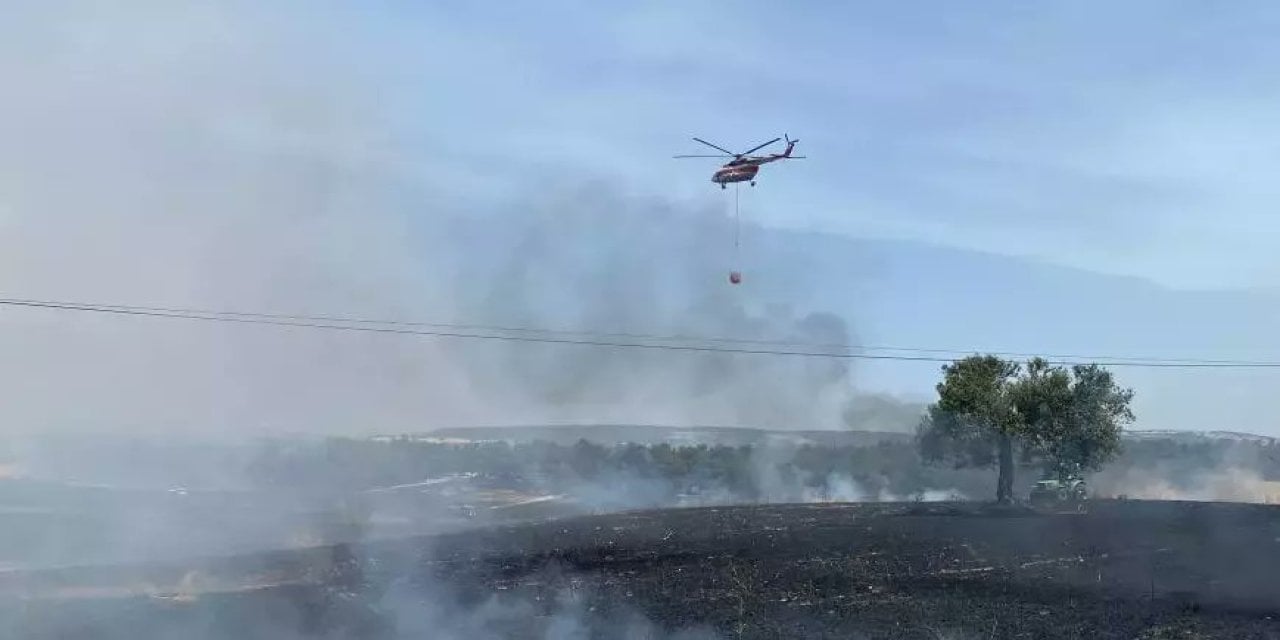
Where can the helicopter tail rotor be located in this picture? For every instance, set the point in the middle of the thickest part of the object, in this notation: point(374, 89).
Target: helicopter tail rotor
point(791, 144)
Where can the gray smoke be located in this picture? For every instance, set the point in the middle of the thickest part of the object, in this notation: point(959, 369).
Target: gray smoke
point(566, 613)
point(1203, 470)
point(601, 263)
point(255, 157)
point(235, 157)
point(203, 155)
point(1232, 484)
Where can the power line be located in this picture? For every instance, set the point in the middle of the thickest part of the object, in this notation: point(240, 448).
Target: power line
point(439, 334)
point(459, 326)
point(811, 346)
point(459, 331)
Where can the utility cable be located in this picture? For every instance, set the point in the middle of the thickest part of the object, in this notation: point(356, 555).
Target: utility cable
point(401, 328)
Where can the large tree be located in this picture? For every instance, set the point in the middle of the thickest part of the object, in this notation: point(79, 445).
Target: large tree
point(991, 411)
point(974, 422)
point(1089, 411)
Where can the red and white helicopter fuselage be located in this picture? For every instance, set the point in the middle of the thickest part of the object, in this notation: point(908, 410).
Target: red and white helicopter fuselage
point(744, 167)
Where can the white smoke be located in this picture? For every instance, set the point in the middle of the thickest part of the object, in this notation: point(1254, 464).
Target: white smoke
point(570, 616)
point(1233, 484)
point(203, 155)
point(244, 157)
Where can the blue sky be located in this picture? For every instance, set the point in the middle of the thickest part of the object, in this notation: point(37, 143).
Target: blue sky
point(1138, 139)
point(1069, 177)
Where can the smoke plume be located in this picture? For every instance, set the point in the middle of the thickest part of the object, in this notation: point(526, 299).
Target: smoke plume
point(231, 156)
point(1232, 484)
point(600, 263)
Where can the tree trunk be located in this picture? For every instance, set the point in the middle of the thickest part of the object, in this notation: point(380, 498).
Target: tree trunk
point(1004, 484)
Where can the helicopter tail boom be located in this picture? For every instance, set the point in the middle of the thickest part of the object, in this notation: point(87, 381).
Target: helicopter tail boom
point(791, 144)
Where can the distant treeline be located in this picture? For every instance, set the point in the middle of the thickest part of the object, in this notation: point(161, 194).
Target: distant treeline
point(884, 470)
point(745, 472)
point(351, 464)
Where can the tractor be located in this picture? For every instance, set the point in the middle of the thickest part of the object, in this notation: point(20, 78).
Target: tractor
point(1065, 490)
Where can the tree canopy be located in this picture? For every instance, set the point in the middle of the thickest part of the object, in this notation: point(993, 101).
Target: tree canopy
point(990, 409)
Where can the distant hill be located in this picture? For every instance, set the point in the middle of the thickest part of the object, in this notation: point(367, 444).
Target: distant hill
point(1200, 436)
point(651, 434)
point(738, 436)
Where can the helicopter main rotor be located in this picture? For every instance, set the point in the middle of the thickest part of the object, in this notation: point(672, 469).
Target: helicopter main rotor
point(727, 153)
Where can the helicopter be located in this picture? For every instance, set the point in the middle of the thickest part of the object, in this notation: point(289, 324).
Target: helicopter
point(744, 166)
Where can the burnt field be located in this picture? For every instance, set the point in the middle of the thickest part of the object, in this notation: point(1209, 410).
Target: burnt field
point(1123, 570)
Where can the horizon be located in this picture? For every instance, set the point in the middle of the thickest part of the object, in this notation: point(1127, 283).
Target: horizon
point(1104, 194)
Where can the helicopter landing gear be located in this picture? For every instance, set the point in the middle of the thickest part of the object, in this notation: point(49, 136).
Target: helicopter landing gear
point(753, 183)
point(723, 186)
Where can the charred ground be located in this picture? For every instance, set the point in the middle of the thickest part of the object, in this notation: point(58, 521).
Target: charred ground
point(1126, 569)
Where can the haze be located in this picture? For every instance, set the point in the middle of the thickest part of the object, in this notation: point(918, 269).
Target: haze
point(453, 164)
